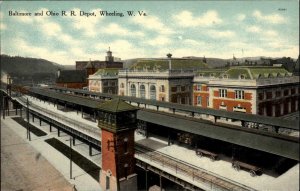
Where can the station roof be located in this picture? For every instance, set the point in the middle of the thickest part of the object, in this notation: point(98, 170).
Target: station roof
point(116, 105)
point(107, 72)
point(265, 141)
point(251, 138)
point(163, 64)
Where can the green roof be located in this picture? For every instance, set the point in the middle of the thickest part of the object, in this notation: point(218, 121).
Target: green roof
point(116, 105)
point(210, 72)
point(257, 72)
point(187, 64)
point(107, 72)
point(248, 72)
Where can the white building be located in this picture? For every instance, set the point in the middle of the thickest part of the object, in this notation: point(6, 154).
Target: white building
point(104, 81)
point(167, 80)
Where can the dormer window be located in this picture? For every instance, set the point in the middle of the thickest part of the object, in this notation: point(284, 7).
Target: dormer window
point(225, 76)
point(242, 76)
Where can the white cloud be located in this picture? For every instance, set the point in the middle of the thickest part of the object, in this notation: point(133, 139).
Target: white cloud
point(186, 19)
point(25, 49)
point(241, 17)
point(253, 29)
point(122, 49)
point(192, 42)
point(87, 24)
point(152, 23)
point(3, 26)
point(50, 28)
point(117, 30)
point(272, 18)
point(270, 33)
point(221, 34)
point(159, 41)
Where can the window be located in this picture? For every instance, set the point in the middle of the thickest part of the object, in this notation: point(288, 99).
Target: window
point(152, 92)
point(182, 88)
point(142, 91)
point(269, 95)
point(198, 87)
point(199, 100)
point(125, 145)
point(286, 92)
point(178, 88)
point(107, 183)
point(173, 89)
point(293, 91)
point(242, 76)
point(162, 98)
point(239, 94)
point(207, 101)
point(261, 96)
point(133, 90)
point(278, 93)
point(122, 85)
point(222, 93)
point(162, 88)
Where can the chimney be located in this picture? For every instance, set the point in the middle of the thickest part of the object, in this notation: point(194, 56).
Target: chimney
point(169, 58)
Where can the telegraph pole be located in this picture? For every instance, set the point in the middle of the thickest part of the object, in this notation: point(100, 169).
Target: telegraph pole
point(28, 126)
point(70, 157)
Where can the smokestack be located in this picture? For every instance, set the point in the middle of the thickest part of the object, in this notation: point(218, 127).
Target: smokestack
point(169, 58)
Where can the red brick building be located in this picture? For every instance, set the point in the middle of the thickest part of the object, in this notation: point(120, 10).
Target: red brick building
point(117, 121)
point(270, 91)
point(78, 78)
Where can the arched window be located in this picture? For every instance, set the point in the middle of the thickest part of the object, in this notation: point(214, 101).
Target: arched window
point(152, 92)
point(122, 85)
point(242, 76)
point(162, 88)
point(142, 91)
point(133, 90)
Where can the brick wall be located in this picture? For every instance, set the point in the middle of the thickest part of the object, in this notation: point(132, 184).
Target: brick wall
point(72, 85)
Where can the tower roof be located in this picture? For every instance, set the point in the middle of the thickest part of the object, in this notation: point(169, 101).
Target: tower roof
point(116, 105)
point(89, 65)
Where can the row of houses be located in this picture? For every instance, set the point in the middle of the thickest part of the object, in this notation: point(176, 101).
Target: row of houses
point(263, 90)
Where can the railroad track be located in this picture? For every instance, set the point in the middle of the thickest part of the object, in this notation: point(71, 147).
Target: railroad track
point(195, 173)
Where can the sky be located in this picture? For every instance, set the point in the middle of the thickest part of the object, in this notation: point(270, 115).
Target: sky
point(218, 29)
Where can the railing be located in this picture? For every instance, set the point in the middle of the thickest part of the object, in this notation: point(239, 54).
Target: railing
point(76, 125)
point(208, 180)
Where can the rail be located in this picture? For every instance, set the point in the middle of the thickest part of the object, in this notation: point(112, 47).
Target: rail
point(208, 179)
point(76, 125)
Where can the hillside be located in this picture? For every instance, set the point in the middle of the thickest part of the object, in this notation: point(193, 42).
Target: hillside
point(27, 66)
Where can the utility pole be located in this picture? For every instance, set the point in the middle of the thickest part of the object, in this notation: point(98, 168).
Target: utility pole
point(70, 157)
point(3, 107)
point(28, 126)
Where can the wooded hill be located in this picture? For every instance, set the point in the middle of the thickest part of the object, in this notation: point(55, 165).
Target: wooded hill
point(27, 66)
